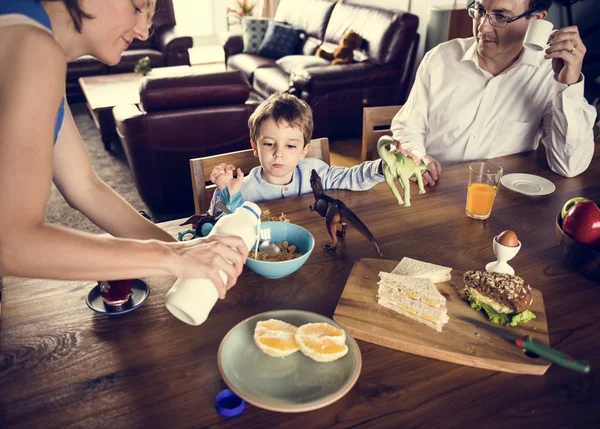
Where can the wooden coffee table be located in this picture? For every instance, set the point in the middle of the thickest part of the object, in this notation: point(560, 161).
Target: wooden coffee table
point(102, 93)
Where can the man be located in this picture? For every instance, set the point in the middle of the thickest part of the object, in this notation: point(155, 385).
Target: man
point(487, 96)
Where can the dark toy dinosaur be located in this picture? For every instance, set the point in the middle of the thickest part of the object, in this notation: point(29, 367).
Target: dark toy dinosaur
point(197, 221)
point(335, 211)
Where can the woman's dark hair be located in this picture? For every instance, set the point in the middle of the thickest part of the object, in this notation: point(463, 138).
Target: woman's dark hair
point(539, 5)
point(77, 14)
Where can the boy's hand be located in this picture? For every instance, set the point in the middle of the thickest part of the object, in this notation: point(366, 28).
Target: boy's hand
point(434, 168)
point(221, 175)
point(406, 153)
point(235, 184)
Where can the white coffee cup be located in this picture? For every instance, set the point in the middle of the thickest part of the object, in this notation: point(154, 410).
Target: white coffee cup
point(537, 35)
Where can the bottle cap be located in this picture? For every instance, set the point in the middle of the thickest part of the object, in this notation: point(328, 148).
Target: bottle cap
point(228, 404)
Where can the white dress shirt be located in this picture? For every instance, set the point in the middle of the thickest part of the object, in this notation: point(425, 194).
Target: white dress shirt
point(458, 112)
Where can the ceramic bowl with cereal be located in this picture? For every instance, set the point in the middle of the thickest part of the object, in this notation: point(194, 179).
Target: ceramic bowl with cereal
point(295, 244)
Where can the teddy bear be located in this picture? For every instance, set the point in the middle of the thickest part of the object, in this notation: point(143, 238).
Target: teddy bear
point(343, 53)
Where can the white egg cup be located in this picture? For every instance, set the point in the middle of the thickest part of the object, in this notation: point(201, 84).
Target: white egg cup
point(504, 254)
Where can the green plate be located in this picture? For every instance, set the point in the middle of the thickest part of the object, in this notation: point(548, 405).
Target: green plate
point(292, 384)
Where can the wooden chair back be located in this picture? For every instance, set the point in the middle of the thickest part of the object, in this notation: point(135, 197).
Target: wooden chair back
point(201, 168)
point(376, 123)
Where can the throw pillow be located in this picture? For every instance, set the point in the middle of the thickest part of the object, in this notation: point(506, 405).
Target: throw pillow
point(280, 40)
point(253, 33)
point(295, 63)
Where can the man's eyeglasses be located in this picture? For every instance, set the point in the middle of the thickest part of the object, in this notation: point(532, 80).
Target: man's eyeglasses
point(496, 19)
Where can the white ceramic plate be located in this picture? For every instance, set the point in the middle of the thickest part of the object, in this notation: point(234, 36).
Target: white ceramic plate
point(292, 384)
point(528, 184)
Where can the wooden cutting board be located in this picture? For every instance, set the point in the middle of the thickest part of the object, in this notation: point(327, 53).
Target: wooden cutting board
point(459, 342)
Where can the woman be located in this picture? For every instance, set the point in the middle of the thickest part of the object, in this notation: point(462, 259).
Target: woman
point(40, 143)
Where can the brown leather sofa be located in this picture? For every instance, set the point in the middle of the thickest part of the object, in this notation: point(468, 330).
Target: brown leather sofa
point(165, 47)
point(337, 93)
point(181, 118)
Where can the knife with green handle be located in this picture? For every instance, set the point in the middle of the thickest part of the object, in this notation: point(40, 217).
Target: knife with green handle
point(529, 344)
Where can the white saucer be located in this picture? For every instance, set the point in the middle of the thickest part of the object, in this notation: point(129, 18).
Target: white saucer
point(528, 184)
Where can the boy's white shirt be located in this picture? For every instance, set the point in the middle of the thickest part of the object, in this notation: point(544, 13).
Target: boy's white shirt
point(358, 178)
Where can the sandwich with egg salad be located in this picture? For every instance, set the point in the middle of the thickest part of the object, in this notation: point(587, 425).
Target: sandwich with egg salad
point(414, 268)
point(415, 298)
point(504, 298)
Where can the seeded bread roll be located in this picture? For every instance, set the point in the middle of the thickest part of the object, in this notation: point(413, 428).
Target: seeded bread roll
point(509, 291)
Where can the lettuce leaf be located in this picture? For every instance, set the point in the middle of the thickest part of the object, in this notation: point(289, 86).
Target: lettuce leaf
point(522, 317)
point(501, 318)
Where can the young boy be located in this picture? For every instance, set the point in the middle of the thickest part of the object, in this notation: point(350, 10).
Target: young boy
point(280, 132)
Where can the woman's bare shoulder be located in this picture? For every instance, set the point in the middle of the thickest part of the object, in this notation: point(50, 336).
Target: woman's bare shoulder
point(26, 48)
point(32, 72)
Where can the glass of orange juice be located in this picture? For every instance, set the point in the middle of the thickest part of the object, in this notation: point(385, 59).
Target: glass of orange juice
point(484, 179)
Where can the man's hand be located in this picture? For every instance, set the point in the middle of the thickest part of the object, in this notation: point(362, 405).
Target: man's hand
point(221, 175)
point(434, 170)
point(567, 51)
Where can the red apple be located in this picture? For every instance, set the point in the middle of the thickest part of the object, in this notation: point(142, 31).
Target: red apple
point(570, 204)
point(582, 222)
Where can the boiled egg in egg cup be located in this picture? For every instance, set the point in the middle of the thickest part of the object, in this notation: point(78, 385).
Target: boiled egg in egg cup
point(506, 246)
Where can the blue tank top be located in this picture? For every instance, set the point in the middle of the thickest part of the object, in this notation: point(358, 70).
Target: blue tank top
point(34, 10)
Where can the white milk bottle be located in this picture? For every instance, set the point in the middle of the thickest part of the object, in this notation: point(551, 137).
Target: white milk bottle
point(191, 300)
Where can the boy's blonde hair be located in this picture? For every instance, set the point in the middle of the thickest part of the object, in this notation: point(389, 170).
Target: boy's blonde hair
point(283, 107)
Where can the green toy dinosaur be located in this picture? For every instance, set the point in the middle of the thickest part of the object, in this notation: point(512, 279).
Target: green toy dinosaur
point(398, 166)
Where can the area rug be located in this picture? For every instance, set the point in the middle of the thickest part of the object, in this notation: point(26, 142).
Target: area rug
point(111, 167)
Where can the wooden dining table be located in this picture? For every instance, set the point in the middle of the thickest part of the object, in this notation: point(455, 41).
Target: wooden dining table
point(62, 365)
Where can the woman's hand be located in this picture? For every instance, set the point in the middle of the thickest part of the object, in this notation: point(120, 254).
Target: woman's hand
point(205, 257)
